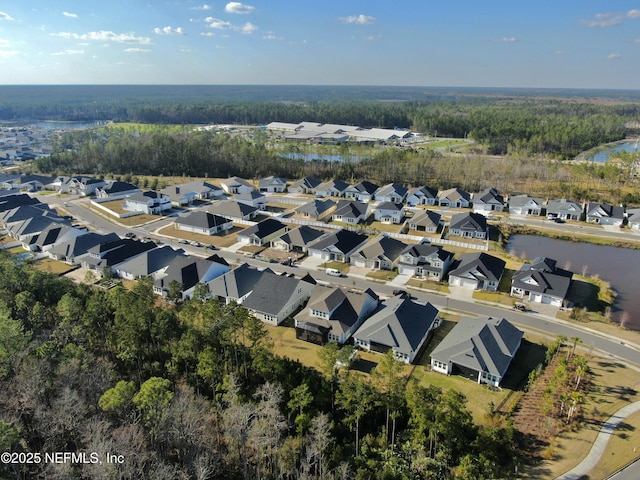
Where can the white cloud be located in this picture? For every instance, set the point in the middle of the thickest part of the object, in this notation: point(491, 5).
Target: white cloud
point(633, 13)
point(5, 16)
point(136, 50)
point(203, 7)
point(637, 40)
point(248, 28)
point(208, 34)
point(217, 23)
point(603, 20)
point(9, 53)
point(271, 36)
point(509, 40)
point(168, 31)
point(559, 52)
point(614, 56)
point(70, 15)
point(358, 19)
point(105, 35)
point(68, 52)
point(237, 7)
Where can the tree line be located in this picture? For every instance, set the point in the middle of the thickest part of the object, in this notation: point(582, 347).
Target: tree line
point(195, 390)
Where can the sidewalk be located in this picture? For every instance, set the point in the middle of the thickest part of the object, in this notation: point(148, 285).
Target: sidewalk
point(593, 457)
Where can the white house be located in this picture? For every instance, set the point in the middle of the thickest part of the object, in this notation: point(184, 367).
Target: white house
point(389, 212)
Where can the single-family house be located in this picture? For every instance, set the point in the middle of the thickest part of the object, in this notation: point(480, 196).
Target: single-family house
point(111, 254)
point(56, 233)
point(70, 250)
point(332, 188)
point(563, 209)
point(633, 215)
point(361, 191)
point(298, 239)
point(381, 253)
point(263, 233)
point(81, 185)
point(253, 199)
point(306, 185)
point(350, 212)
point(272, 184)
point(149, 202)
point(479, 349)
point(542, 282)
point(333, 314)
point(187, 193)
point(605, 214)
point(317, 210)
point(10, 202)
point(526, 205)
point(237, 284)
point(147, 263)
point(235, 185)
point(425, 261)
point(391, 192)
point(488, 201)
point(454, 198)
point(202, 222)
point(398, 324)
point(426, 221)
point(203, 190)
point(116, 190)
point(179, 197)
point(468, 225)
point(338, 246)
point(276, 297)
point(187, 272)
point(233, 210)
point(479, 271)
point(27, 231)
point(389, 213)
point(422, 196)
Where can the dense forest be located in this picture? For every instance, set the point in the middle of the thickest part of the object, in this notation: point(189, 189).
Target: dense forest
point(556, 124)
point(131, 151)
point(194, 390)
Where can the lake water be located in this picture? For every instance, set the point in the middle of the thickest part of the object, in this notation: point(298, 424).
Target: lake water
point(618, 266)
point(46, 125)
point(603, 155)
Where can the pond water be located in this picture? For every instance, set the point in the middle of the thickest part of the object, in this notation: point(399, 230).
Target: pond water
point(618, 266)
point(603, 155)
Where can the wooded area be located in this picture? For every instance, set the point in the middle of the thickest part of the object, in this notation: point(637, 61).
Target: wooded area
point(194, 390)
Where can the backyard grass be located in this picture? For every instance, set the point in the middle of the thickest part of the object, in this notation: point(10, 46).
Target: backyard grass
point(428, 285)
point(226, 239)
point(384, 275)
point(53, 266)
point(343, 267)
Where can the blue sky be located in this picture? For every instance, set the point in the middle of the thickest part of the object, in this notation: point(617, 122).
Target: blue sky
point(493, 43)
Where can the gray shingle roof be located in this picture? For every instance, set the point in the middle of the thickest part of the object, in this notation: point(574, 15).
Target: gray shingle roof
point(399, 323)
point(468, 222)
point(202, 219)
point(487, 265)
point(426, 218)
point(482, 345)
point(263, 229)
point(545, 276)
point(236, 283)
point(272, 293)
point(232, 209)
point(302, 236)
point(343, 240)
point(382, 247)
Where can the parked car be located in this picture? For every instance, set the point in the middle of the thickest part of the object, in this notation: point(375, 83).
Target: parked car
point(520, 306)
point(334, 272)
point(130, 235)
point(183, 241)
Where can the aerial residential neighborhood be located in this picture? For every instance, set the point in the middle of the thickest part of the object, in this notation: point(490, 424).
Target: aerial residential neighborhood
point(337, 226)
